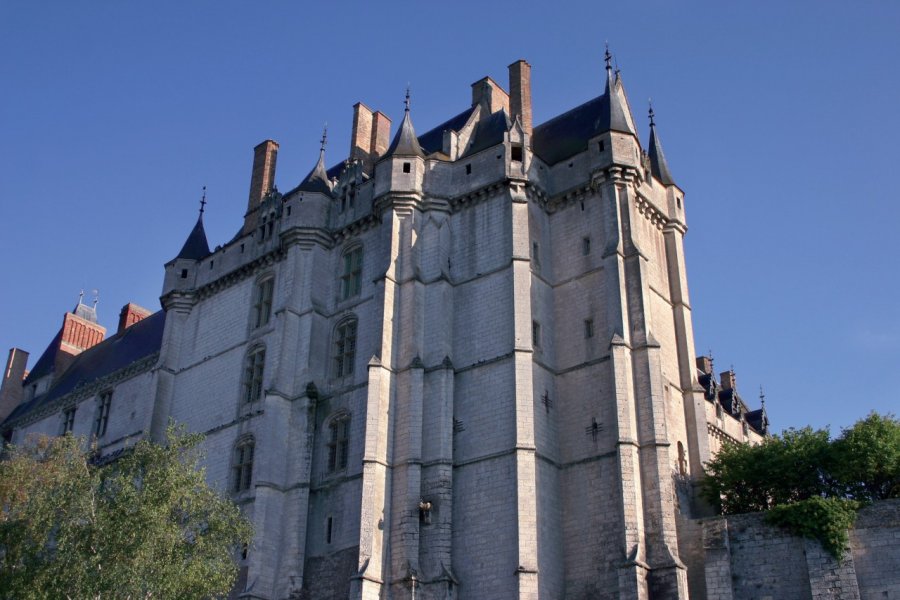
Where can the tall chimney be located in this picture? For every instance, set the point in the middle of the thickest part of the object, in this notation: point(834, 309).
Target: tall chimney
point(131, 314)
point(728, 379)
point(704, 363)
point(381, 136)
point(362, 134)
point(261, 179)
point(520, 93)
point(11, 391)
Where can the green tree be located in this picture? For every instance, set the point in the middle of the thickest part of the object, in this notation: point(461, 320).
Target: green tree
point(866, 459)
point(144, 526)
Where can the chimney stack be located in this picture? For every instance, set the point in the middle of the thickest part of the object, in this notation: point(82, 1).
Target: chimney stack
point(728, 379)
point(489, 92)
point(11, 390)
point(704, 363)
point(131, 314)
point(362, 133)
point(381, 136)
point(262, 179)
point(520, 93)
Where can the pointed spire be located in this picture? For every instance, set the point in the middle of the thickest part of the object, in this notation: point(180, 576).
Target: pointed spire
point(405, 142)
point(658, 165)
point(317, 180)
point(616, 107)
point(196, 246)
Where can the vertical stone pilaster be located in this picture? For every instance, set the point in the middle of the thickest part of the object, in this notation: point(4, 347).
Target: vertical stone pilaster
point(717, 553)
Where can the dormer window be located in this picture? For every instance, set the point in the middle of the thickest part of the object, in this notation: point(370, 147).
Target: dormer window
point(515, 153)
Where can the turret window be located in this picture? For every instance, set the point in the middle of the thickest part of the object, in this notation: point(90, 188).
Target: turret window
point(515, 153)
point(351, 276)
point(253, 375)
point(407, 167)
point(262, 304)
point(242, 467)
point(345, 348)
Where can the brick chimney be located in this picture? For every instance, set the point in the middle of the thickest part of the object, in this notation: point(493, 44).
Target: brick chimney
point(704, 364)
point(262, 179)
point(520, 93)
point(362, 133)
point(381, 135)
point(728, 379)
point(11, 390)
point(77, 335)
point(131, 314)
point(489, 92)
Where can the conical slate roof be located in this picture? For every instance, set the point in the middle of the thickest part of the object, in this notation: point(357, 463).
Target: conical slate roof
point(317, 180)
point(195, 247)
point(405, 142)
point(616, 106)
point(658, 165)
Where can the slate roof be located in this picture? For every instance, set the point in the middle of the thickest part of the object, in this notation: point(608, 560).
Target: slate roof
point(405, 142)
point(139, 341)
point(658, 165)
point(195, 247)
point(44, 364)
point(489, 132)
point(317, 180)
point(433, 140)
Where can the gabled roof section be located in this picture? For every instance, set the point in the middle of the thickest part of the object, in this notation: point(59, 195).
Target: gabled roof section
point(195, 247)
point(433, 141)
point(405, 142)
point(137, 342)
point(658, 165)
point(489, 132)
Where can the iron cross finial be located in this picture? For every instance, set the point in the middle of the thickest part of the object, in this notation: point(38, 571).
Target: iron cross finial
point(650, 112)
point(608, 57)
point(324, 140)
point(406, 102)
point(203, 201)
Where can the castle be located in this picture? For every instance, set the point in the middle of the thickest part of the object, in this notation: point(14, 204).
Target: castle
point(454, 365)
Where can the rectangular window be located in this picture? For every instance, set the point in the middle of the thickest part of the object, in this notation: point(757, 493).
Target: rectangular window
point(243, 465)
point(262, 306)
point(102, 419)
point(588, 328)
point(585, 246)
point(406, 167)
point(339, 443)
point(68, 420)
point(515, 153)
point(468, 169)
point(329, 524)
point(535, 334)
point(253, 375)
point(351, 276)
point(345, 349)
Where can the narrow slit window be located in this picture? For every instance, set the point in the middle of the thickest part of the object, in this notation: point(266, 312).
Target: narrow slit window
point(585, 246)
point(588, 328)
point(329, 525)
point(535, 334)
point(468, 169)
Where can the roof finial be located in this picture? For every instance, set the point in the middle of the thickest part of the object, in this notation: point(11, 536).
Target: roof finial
point(712, 362)
point(324, 140)
point(96, 298)
point(617, 71)
point(762, 397)
point(203, 201)
point(406, 102)
point(81, 297)
point(608, 57)
point(650, 112)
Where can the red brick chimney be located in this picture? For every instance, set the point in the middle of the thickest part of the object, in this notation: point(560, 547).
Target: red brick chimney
point(262, 179)
point(381, 135)
point(11, 390)
point(77, 335)
point(520, 93)
point(131, 314)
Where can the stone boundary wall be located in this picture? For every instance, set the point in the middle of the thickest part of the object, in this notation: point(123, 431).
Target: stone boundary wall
point(747, 559)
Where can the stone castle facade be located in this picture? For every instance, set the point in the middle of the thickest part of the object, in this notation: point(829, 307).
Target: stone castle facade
point(454, 365)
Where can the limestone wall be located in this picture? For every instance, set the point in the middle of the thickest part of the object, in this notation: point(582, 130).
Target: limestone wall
point(745, 558)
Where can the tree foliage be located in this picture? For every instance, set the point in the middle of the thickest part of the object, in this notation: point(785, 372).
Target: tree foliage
point(810, 482)
point(144, 526)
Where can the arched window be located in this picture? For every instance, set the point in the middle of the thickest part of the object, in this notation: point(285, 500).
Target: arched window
point(351, 272)
point(253, 375)
point(338, 442)
point(242, 466)
point(344, 347)
point(262, 301)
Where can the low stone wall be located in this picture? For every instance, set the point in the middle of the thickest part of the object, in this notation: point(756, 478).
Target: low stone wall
point(746, 559)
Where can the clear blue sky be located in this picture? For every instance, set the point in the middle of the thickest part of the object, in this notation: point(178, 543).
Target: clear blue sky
point(779, 120)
